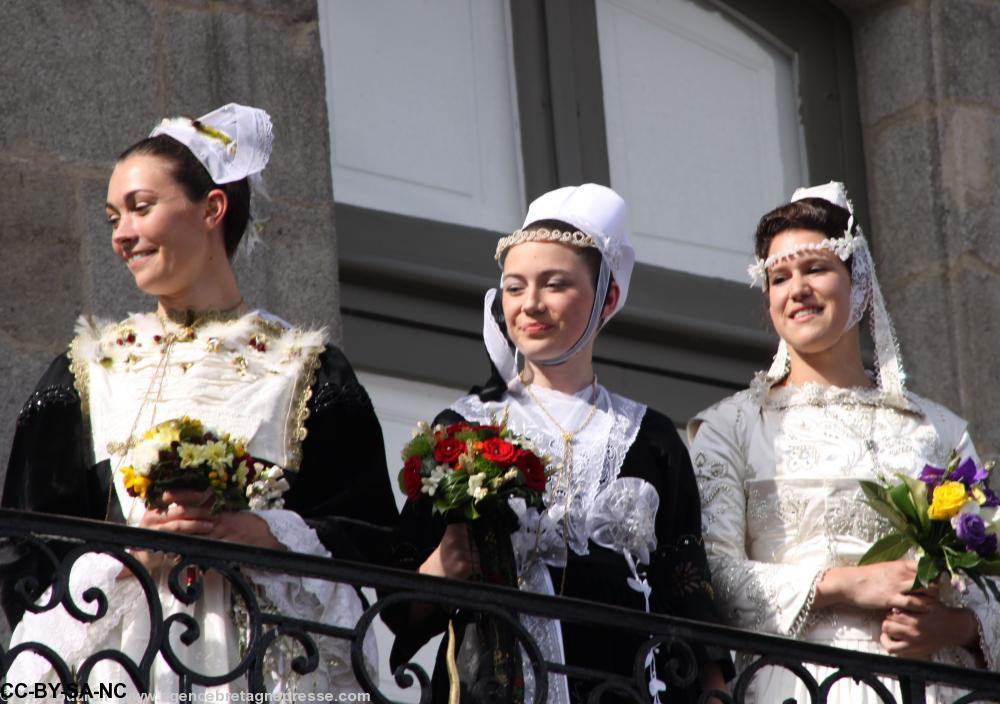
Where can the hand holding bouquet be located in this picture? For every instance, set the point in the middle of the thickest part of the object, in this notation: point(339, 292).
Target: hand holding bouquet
point(469, 471)
point(949, 515)
point(181, 454)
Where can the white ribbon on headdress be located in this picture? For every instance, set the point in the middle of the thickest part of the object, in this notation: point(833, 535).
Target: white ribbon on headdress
point(237, 143)
point(866, 294)
point(596, 211)
point(232, 143)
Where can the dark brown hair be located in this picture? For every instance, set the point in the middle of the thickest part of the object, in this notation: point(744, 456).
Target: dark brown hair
point(591, 255)
point(196, 182)
point(807, 214)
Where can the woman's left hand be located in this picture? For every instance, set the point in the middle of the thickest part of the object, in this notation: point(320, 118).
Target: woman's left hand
point(930, 627)
point(244, 527)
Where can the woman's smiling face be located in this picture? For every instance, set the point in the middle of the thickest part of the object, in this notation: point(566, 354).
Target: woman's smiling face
point(548, 294)
point(160, 234)
point(809, 294)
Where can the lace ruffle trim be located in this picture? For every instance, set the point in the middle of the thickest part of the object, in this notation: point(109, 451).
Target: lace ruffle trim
point(806, 612)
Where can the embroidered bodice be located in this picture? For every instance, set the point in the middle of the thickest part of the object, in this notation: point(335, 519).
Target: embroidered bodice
point(249, 377)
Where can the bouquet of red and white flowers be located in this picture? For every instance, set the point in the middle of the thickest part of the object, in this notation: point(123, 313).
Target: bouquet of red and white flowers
point(461, 465)
point(948, 515)
point(181, 454)
point(469, 471)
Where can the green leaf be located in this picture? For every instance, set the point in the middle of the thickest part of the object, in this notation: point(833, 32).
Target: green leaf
point(878, 498)
point(891, 547)
point(928, 569)
point(963, 559)
point(918, 496)
point(900, 497)
point(989, 567)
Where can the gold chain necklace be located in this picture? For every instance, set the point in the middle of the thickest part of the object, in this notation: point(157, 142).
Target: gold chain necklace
point(566, 473)
point(568, 435)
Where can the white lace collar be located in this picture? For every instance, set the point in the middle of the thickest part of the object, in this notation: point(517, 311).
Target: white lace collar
point(767, 394)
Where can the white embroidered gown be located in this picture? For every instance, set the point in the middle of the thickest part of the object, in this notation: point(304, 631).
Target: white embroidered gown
point(254, 392)
point(778, 474)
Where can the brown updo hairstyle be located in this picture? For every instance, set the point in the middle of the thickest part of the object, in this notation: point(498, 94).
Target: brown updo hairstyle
point(814, 214)
point(196, 182)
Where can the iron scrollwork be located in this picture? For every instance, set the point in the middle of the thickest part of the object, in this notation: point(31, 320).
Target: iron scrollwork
point(59, 544)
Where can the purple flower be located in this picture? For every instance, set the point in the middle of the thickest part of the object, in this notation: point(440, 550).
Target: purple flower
point(931, 475)
point(988, 547)
point(991, 498)
point(971, 530)
point(968, 473)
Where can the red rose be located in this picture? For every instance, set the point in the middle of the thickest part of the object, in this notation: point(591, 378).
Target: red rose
point(448, 450)
point(457, 428)
point(499, 450)
point(411, 477)
point(532, 469)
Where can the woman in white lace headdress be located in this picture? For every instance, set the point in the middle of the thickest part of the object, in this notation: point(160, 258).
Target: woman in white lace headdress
point(178, 204)
point(565, 273)
point(778, 466)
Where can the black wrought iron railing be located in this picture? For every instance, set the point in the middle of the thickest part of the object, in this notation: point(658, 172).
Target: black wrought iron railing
point(60, 542)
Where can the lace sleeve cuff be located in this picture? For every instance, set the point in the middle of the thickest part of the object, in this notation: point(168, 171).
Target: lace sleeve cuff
point(806, 611)
point(314, 599)
point(987, 623)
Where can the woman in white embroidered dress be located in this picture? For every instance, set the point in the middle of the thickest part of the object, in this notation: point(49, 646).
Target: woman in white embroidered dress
point(178, 203)
point(565, 273)
point(778, 467)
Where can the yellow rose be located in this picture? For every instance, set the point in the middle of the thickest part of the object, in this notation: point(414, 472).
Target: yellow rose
point(949, 497)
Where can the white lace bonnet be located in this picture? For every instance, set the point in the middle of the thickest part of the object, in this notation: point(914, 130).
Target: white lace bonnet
point(600, 217)
point(232, 142)
point(866, 295)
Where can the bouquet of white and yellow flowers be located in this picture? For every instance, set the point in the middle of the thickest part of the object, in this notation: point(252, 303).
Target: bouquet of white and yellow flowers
point(181, 454)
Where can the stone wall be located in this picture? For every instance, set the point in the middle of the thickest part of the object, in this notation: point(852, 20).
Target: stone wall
point(930, 109)
point(81, 81)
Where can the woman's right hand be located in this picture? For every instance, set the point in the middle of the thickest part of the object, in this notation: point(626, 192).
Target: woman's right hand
point(186, 512)
point(879, 587)
point(456, 555)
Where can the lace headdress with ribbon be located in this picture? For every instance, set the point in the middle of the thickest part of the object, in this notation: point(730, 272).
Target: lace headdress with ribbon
point(866, 294)
point(599, 220)
point(232, 143)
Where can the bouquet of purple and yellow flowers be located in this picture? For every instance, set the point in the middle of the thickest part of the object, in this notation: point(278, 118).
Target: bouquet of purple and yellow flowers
point(948, 515)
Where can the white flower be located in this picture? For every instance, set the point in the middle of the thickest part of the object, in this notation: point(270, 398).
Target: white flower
point(190, 455)
point(969, 506)
point(429, 485)
point(266, 491)
point(145, 456)
point(476, 488)
point(217, 455)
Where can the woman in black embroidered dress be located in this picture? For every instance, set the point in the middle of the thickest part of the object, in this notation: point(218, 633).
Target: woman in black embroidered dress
point(564, 274)
point(178, 205)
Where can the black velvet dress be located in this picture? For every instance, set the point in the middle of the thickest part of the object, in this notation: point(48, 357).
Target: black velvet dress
point(341, 487)
point(678, 569)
